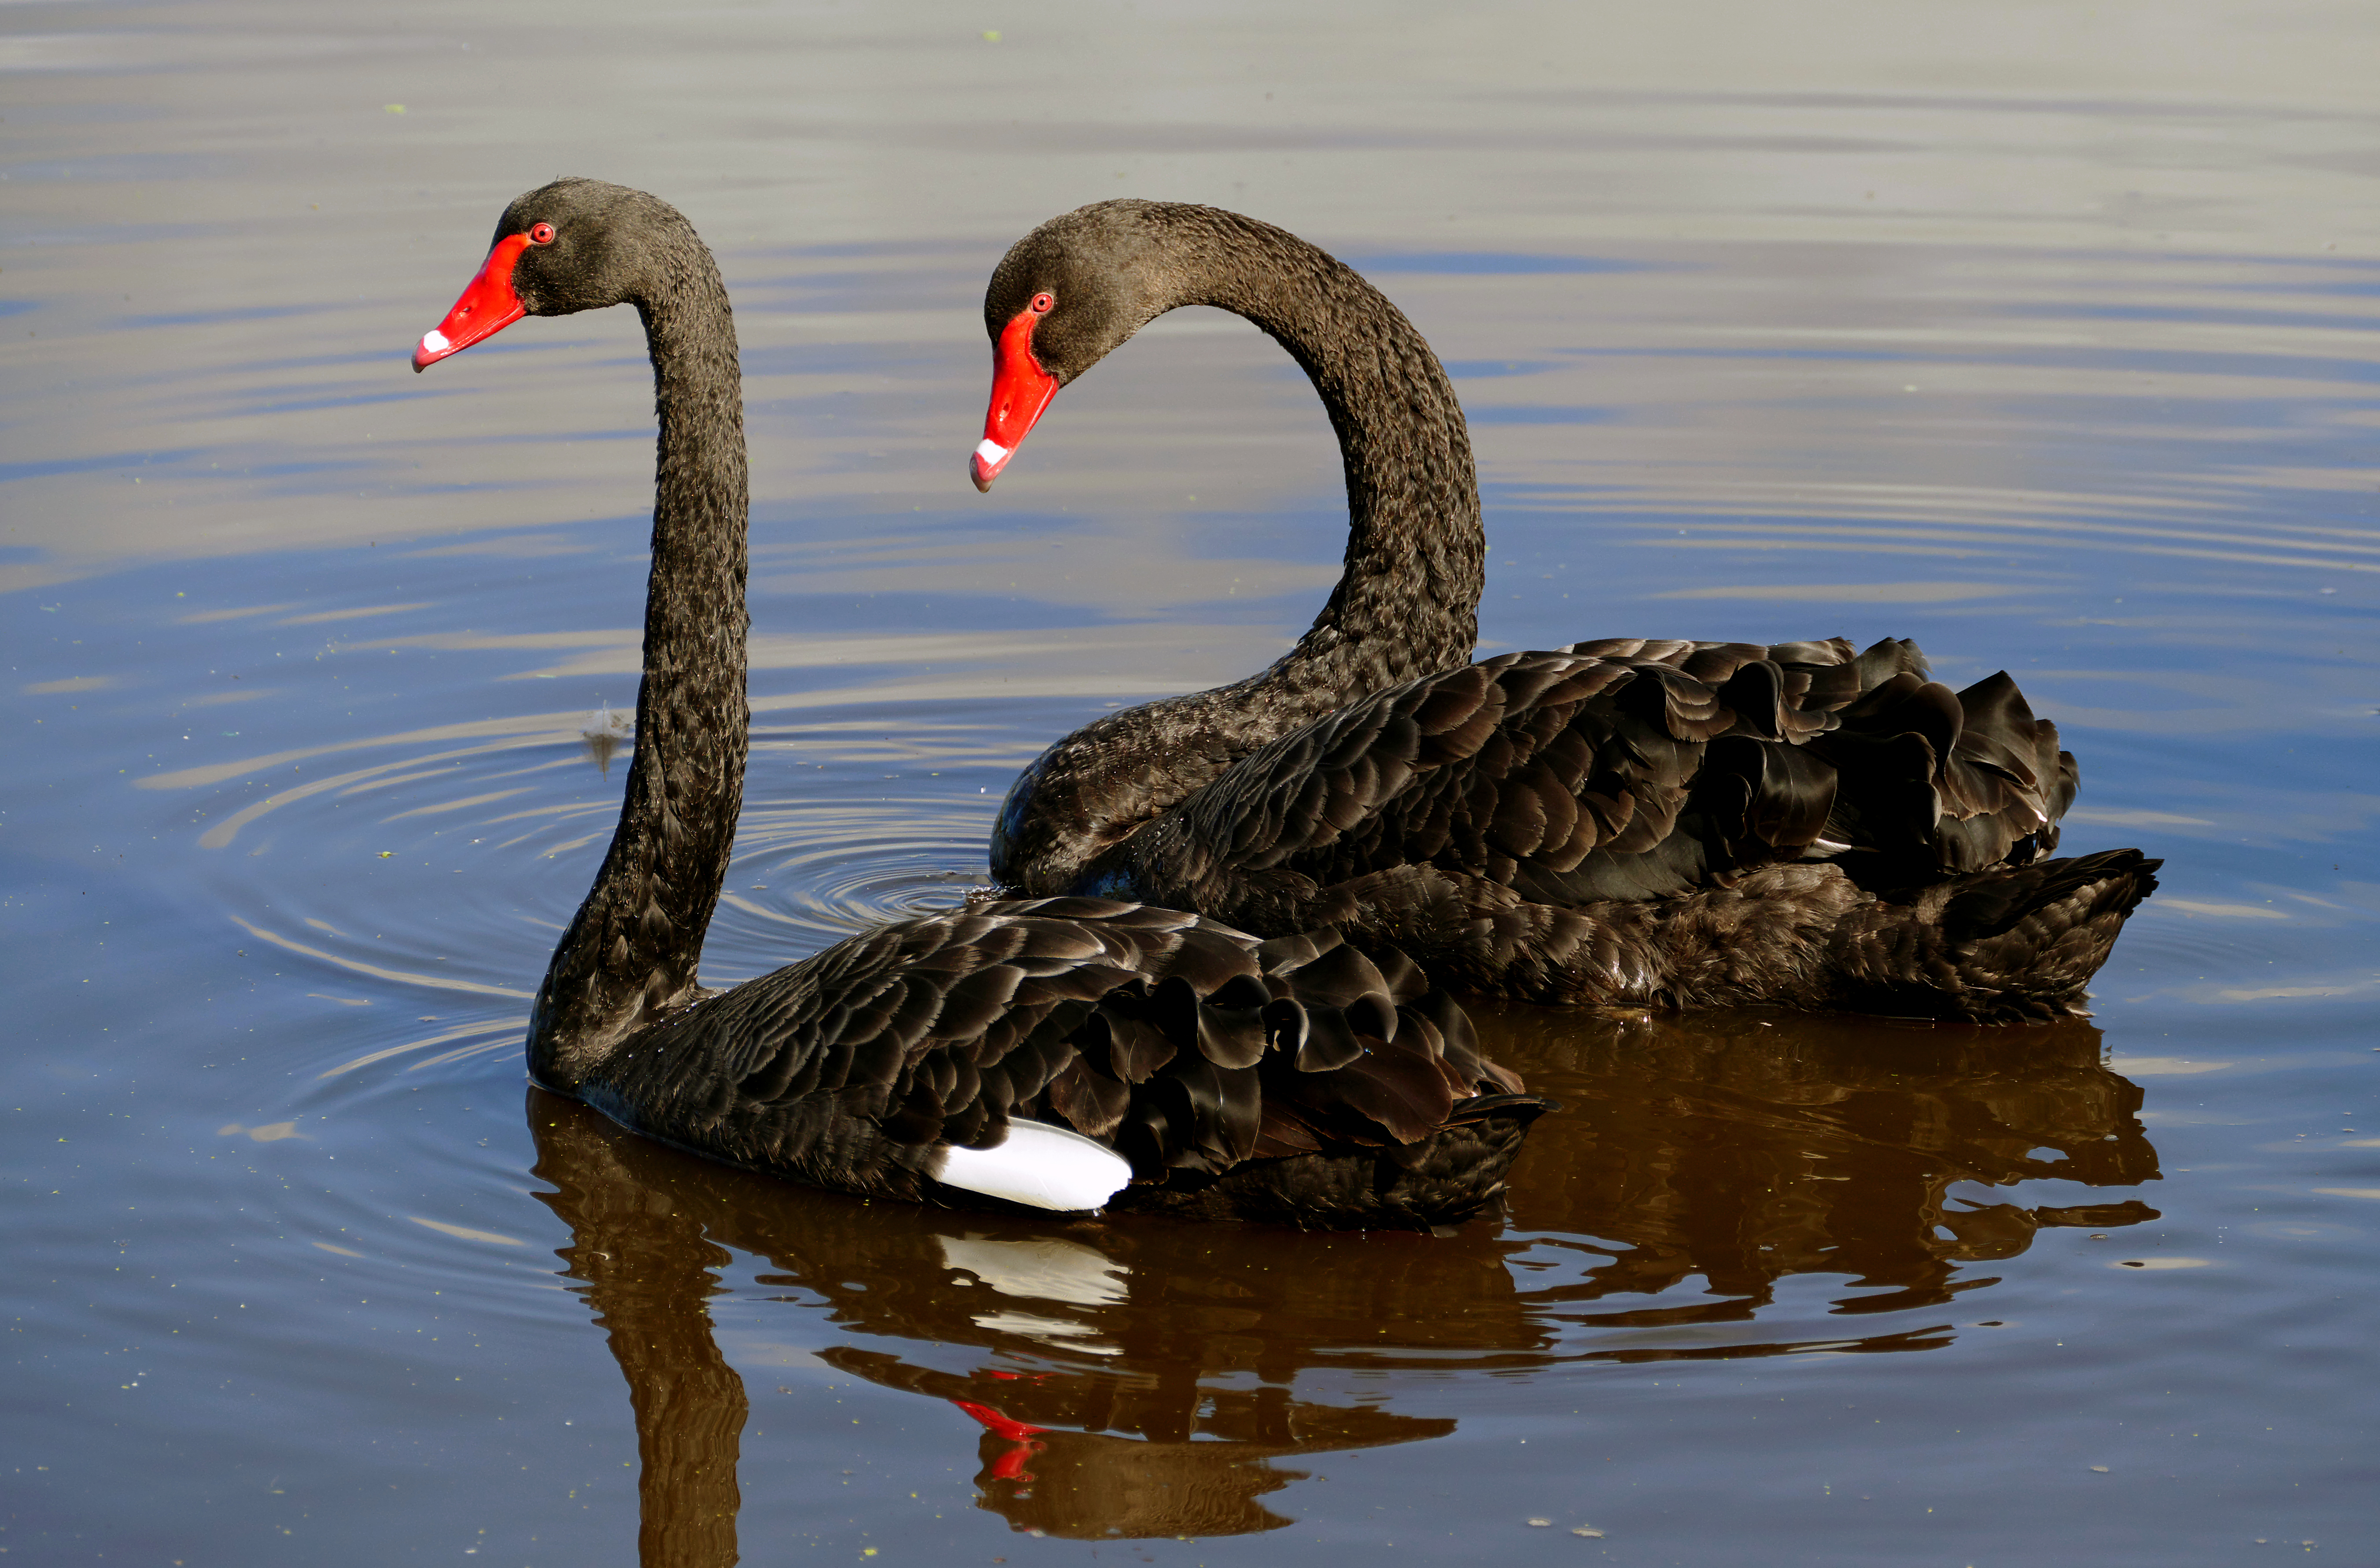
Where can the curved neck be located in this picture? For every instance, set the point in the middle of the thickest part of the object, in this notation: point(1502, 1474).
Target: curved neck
point(633, 949)
point(1408, 600)
point(1407, 603)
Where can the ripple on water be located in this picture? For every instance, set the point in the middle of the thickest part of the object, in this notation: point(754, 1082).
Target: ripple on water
point(441, 864)
point(829, 867)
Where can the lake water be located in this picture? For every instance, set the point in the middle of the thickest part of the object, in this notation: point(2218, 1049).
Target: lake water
point(2040, 334)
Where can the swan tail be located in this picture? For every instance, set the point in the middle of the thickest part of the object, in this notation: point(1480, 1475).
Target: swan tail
point(2007, 945)
point(1932, 783)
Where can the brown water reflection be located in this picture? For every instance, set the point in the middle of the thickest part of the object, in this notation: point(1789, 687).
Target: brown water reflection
point(1747, 1147)
point(1142, 1378)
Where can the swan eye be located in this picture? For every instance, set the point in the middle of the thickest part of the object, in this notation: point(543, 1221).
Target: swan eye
point(541, 235)
point(1042, 303)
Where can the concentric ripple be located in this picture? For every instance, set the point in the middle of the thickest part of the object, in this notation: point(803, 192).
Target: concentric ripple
point(828, 866)
point(441, 864)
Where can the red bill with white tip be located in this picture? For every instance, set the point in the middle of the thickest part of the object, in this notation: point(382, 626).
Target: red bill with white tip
point(1021, 389)
point(487, 307)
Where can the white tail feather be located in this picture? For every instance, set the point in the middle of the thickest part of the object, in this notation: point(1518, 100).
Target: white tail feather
point(1040, 1165)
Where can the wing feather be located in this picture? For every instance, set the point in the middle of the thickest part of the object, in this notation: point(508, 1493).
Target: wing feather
point(1626, 769)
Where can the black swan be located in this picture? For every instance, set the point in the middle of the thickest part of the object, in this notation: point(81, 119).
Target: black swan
point(1059, 1054)
point(1631, 821)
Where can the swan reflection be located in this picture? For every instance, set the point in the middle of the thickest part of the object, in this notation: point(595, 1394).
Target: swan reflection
point(1744, 1148)
point(1149, 1378)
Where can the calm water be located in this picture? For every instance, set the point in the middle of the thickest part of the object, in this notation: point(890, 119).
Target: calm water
point(2041, 335)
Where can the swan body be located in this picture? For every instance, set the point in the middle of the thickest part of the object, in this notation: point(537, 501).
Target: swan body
point(1048, 1051)
point(1062, 1054)
point(1627, 822)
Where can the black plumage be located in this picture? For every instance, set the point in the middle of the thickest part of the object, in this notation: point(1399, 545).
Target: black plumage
point(1293, 1079)
point(1627, 821)
point(1188, 1047)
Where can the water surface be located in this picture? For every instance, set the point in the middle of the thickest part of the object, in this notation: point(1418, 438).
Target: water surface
point(2042, 338)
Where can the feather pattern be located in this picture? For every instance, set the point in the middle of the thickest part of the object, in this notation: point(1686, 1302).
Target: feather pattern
point(1578, 775)
point(1184, 1045)
point(1587, 826)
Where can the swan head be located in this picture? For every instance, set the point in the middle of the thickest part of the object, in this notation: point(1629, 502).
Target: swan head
point(1061, 301)
point(574, 245)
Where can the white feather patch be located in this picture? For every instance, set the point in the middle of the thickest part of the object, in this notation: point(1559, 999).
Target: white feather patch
point(1040, 1165)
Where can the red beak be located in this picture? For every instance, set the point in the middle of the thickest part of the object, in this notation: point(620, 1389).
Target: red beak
point(488, 306)
point(1020, 390)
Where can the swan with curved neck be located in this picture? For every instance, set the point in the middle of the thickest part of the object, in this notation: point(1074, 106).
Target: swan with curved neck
point(1631, 821)
point(1055, 1053)
point(1407, 602)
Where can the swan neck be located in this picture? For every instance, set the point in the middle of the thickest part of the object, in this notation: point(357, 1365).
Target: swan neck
point(1406, 605)
point(1407, 601)
point(632, 952)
